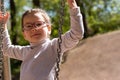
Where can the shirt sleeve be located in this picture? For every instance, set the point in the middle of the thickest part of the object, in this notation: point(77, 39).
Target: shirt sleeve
point(72, 37)
point(12, 51)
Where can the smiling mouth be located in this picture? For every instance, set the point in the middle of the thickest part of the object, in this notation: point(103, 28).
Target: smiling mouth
point(35, 35)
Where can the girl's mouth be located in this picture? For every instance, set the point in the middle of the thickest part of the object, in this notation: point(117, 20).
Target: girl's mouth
point(35, 35)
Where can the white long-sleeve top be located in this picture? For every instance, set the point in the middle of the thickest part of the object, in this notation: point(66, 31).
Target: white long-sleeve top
point(38, 59)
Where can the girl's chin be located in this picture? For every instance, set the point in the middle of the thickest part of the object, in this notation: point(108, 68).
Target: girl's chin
point(37, 40)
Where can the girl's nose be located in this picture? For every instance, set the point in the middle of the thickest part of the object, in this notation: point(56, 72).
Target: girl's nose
point(34, 29)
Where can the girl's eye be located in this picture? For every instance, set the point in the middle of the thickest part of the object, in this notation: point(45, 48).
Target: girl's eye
point(28, 26)
point(38, 24)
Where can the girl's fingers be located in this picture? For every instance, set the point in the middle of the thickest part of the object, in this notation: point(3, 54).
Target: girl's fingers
point(4, 17)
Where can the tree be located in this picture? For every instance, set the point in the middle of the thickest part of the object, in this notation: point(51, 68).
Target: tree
point(36, 3)
point(13, 20)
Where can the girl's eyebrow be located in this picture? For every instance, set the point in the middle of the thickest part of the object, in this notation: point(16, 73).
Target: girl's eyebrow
point(29, 23)
point(34, 22)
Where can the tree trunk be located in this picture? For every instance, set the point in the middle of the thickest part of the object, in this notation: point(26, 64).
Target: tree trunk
point(36, 3)
point(13, 21)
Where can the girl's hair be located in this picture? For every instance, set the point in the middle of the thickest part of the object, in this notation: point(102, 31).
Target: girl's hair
point(37, 10)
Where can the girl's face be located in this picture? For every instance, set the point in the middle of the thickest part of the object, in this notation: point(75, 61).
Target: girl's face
point(34, 28)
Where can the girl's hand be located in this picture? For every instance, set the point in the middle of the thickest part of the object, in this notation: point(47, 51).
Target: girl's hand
point(4, 18)
point(72, 3)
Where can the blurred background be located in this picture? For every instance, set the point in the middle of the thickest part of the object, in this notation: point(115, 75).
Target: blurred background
point(99, 16)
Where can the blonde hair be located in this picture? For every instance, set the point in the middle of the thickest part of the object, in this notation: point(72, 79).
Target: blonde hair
point(37, 10)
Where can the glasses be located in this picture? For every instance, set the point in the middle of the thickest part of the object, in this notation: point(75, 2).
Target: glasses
point(30, 26)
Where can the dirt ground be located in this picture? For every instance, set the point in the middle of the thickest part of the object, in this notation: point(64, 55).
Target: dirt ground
point(95, 58)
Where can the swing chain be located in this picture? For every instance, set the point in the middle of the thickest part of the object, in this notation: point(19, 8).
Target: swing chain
point(61, 21)
point(1, 40)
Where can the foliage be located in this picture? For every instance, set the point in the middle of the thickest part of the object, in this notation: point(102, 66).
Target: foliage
point(103, 16)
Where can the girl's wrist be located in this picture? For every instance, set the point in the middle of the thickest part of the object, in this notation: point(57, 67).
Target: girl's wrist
point(5, 27)
point(72, 4)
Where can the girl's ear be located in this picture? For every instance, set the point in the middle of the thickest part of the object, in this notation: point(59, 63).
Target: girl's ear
point(49, 29)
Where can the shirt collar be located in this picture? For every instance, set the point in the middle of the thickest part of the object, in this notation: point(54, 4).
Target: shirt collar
point(33, 45)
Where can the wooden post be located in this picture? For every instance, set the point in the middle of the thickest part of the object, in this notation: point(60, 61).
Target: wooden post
point(6, 66)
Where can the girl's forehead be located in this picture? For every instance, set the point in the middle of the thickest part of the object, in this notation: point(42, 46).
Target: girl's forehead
point(33, 17)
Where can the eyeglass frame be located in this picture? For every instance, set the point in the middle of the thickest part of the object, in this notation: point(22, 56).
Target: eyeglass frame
point(33, 25)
